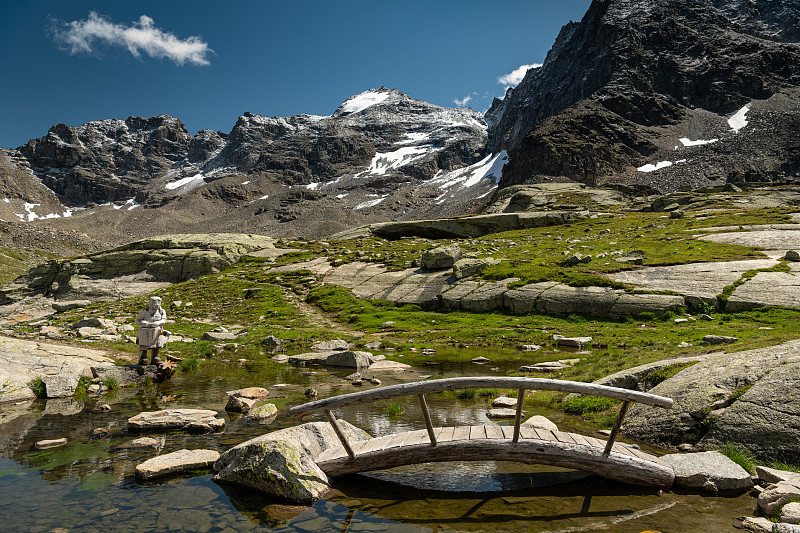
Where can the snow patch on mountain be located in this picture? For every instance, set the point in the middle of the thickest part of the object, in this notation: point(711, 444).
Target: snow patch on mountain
point(739, 119)
point(370, 203)
point(385, 161)
point(652, 168)
point(490, 167)
point(189, 182)
point(362, 101)
point(687, 142)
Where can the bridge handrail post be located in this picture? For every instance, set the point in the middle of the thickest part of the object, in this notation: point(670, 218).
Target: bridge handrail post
point(340, 434)
point(617, 425)
point(518, 415)
point(427, 415)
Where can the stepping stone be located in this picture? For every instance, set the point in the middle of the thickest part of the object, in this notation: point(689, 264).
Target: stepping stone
point(504, 401)
point(502, 413)
point(50, 443)
point(193, 420)
point(176, 463)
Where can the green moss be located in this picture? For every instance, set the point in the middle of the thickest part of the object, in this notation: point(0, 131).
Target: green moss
point(38, 387)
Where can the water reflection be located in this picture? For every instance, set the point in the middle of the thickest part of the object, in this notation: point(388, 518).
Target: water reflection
point(88, 485)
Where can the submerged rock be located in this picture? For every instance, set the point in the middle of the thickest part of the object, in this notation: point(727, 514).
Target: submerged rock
point(176, 463)
point(266, 412)
point(50, 443)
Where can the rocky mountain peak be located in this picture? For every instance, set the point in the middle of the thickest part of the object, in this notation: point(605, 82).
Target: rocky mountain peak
point(631, 72)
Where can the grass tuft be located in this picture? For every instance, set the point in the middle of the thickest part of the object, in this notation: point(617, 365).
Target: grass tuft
point(739, 455)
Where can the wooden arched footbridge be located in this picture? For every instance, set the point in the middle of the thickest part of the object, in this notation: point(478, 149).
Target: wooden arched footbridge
point(519, 443)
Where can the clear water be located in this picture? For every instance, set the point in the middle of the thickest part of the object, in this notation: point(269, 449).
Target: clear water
point(88, 484)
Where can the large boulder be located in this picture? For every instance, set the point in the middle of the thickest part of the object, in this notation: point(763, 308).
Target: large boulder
point(441, 257)
point(750, 398)
point(281, 464)
point(177, 462)
point(330, 346)
point(350, 359)
point(708, 472)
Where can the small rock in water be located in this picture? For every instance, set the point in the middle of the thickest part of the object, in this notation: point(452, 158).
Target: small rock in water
point(539, 421)
point(311, 392)
point(100, 433)
point(103, 408)
point(531, 347)
point(375, 381)
point(357, 383)
point(176, 462)
point(606, 432)
point(480, 360)
point(792, 255)
point(504, 401)
point(50, 443)
point(502, 413)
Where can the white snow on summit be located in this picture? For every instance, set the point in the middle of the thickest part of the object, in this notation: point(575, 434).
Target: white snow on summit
point(360, 102)
point(739, 119)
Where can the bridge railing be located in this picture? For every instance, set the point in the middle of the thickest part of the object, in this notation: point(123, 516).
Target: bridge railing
point(420, 388)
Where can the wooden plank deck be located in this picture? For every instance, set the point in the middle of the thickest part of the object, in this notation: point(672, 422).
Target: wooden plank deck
point(490, 442)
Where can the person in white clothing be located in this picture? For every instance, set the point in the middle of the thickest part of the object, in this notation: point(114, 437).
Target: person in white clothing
point(151, 334)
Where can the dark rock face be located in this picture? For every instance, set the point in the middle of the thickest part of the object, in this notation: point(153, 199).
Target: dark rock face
point(613, 82)
point(108, 160)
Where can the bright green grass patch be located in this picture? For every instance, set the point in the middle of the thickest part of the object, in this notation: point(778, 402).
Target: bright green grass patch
point(583, 405)
point(14, 262)
point(740, 455)
point(394, 409)
point(785, 466)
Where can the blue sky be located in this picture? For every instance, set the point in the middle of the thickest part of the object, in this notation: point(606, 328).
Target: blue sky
point(208, 62)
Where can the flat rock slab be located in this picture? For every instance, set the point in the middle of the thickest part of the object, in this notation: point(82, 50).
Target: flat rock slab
point(23, 360)
point(777, 495)
point(388, 366)
point(409, 286)
point(701, 280)
point(193, 420)
point(768, 239)
point(766, 288)
point(501, 413)
point(176, 463)
point(708, 472)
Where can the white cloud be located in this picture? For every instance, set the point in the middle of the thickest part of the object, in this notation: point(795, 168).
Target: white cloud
point(463, 101)
point(82, 36)
point(514, 77)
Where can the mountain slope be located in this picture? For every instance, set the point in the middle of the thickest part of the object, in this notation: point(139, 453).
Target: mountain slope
point(620, 88)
